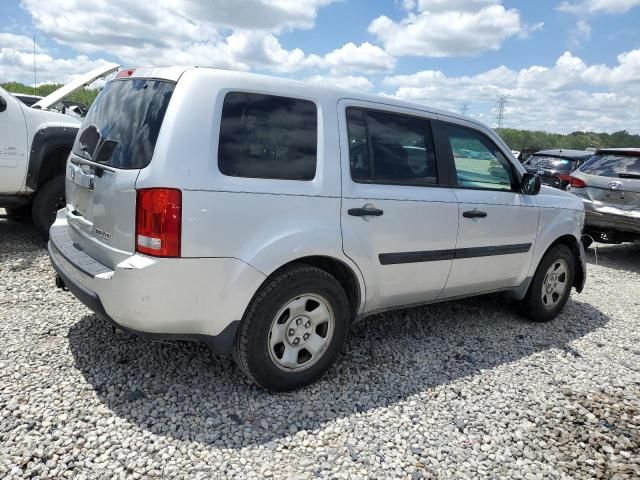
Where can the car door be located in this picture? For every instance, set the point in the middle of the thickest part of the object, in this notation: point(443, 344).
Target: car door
point(399, 225)
point(13, 144)
point(498, 224)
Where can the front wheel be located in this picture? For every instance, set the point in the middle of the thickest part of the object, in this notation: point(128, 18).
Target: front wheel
point(551, 285)
point(293, 330)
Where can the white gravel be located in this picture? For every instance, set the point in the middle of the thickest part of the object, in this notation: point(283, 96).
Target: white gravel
point(457, 390)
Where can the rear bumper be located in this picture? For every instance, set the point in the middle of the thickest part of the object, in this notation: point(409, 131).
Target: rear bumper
point(184, 299)
point(607, 221)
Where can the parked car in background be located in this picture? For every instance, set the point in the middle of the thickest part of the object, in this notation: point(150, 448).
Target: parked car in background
point(264, 216)
point(69, 107)
point(34, 144)
point(525, 153)
point(554, 166)
point(609, 186)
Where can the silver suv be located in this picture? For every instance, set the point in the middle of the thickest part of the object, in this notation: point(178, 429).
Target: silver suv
point(609, 186)
point(264, 216)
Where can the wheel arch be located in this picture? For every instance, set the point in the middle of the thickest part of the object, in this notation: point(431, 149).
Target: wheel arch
point(560, 226)
point(345, 274)
point(48, 155)
point(573, 244)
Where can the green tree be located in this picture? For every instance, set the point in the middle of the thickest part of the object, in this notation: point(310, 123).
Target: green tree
point(85, 96)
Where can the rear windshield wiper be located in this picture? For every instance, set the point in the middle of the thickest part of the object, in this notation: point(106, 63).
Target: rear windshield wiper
point(629, 175)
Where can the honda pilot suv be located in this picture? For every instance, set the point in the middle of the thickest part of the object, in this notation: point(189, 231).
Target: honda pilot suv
point(264, 216)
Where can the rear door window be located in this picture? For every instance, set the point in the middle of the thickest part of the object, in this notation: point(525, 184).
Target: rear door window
point(122, 126)
point(605, 165)
point(268, 136)
point(390, 148)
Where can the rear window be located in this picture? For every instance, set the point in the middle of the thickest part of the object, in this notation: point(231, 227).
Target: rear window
point(613, 166)
point(551, 163)
point(268, 136)
point(122, 126)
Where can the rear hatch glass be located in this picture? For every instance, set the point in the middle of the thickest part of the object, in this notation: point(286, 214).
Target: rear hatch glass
point(119, 134)
point(621, 166)
point(122, 125)
point(549, 163)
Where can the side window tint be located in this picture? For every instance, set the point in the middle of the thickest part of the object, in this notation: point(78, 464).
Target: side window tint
point(267, 136)
point(390, 148)
point(478, 161)
point(358, 148)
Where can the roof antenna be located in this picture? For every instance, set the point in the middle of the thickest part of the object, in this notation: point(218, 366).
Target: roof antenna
point(35, 78)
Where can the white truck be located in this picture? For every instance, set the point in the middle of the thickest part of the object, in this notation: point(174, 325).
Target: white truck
point(34, 144)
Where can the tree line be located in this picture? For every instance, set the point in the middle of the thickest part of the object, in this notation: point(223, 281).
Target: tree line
point(519, 139)
point(86, 96)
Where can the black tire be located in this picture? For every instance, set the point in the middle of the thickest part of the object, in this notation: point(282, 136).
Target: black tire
point(251, 350)
point(48, 200)
point(532, 305)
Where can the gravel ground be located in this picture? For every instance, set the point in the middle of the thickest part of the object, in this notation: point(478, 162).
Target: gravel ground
point(457, 390)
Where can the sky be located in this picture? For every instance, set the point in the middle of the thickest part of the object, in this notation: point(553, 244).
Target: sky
point(563, 65)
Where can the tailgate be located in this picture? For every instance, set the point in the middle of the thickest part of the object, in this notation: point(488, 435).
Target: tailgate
point(115, 142)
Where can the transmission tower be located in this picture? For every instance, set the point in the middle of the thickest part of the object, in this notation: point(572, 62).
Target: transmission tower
point(464, 108)
point(502, 101)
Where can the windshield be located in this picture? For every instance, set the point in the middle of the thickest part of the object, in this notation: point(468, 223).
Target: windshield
point(550, 163)
point(122, 126)
point(609, 165)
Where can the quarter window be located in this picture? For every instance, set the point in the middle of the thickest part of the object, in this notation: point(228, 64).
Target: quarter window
point(390, 148)
point(268, 136)
point(478, 162)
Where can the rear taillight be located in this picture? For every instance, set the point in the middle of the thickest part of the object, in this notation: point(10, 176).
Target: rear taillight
point(576, 182)
point(159, 221)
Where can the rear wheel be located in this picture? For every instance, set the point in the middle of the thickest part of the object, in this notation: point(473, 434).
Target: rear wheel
point(293, 330)
point(551, 285)
point(49, 199)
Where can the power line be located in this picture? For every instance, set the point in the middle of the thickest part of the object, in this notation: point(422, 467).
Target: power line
point(502, 101)
point(464, 108)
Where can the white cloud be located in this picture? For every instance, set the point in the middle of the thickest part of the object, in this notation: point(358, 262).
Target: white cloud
point(595, 6)
point(363, 58)
point(349, 82)
point(568, 96)
point(239, 35)
point(443, 28)
point(16, 62)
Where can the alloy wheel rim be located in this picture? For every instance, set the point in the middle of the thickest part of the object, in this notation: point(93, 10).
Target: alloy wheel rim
point(301, 332)
point(554, 284)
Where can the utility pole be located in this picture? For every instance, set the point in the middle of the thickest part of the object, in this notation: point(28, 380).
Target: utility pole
point(464, 108)
point(502, 101)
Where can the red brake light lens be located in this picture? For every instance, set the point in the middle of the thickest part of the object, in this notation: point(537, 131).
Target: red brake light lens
point(159, 222)
point(577, 183)
point(125, 73)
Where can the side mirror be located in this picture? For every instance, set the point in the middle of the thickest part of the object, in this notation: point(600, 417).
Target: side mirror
point(530, 184)
point(3, 104)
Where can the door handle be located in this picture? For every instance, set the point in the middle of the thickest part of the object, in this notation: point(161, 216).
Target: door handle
point(365, 212)
point(474, 214)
